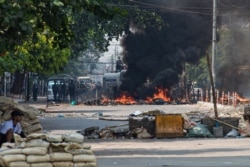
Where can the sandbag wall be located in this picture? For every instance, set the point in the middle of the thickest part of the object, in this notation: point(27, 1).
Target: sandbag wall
point(46, 150)
point(29, 123)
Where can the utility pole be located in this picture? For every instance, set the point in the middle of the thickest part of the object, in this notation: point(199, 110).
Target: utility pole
point(214, 39)
point(213, 79)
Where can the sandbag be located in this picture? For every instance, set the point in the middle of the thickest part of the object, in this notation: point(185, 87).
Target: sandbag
point(77, 149)
point(7, 115)
point(32, 128)
point(86, 146)
point(61, 157)
point(8, 145)
point(43, 164)
point(13, 158)
point(35, 136)
point(63, 164)
point(27, 122)
point(38, 158)
point(57, 147)
point(18, 140)
point(84, 158)
point(30, 111)
point(35, 151)
point(7, 101)
point(54, 138)
point(10, 151)
point(85, 164)
point(74, 137)
point(63, 144)
point(2, 162)
point(19, 164)
point(37, 143)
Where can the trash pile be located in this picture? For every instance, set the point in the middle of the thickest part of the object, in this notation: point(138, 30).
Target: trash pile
point(47, 150)
point(142, 125)
point(30, 123)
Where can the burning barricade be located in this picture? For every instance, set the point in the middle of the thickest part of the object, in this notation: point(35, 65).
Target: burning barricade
point(158, 98)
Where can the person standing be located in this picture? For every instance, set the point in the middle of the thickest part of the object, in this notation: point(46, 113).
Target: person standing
point(72, 91)
point(55, 90)
point(35, 91)
point(11, 127)
point(62, 91)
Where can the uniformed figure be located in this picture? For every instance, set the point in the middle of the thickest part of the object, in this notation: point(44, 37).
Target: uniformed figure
point(55, 90)
point(62, 91)
point(35, 91)
point(119, 65)
point(72, 91)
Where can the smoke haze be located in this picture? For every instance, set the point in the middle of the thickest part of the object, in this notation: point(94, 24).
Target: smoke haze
point(233, 73)
point(158, 56)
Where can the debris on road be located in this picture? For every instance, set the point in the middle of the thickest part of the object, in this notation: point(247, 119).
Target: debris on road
point(200, 122)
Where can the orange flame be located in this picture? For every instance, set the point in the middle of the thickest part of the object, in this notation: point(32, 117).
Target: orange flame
point(241, 99)
point(161, 93)
point(124, 99)
point(105, 100)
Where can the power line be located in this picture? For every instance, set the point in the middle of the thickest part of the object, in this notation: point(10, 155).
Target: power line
point(171, 8)
point(222, 8)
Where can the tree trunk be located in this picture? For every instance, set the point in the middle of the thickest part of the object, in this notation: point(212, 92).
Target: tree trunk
point(17, 86)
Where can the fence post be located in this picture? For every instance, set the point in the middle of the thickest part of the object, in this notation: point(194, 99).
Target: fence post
point(223, 98)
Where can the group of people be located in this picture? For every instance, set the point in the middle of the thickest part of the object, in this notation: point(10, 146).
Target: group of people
point(61, 91)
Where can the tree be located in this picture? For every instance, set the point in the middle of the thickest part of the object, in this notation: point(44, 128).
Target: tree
point(25, 21)
point(198, 73)
point(36, 36)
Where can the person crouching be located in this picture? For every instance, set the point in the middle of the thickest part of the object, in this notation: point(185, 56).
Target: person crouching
point(8, 128)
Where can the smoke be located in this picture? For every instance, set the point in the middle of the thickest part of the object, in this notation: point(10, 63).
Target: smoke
point(158, 55)
point(233, 58)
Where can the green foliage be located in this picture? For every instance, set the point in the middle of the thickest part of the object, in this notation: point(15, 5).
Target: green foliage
point(41, 57)
point(23, 22)
point(198, 73)
point(144, 19)
point(97, 30)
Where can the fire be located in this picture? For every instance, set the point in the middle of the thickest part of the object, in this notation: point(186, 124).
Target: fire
point(161, 93)
point(124, 99)
point(105, 100)
point(241, 99)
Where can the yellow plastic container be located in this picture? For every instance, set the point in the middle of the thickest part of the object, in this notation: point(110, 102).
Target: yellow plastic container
point(169, 126)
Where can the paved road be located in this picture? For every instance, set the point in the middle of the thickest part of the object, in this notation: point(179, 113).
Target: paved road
point(173, 153)
point(178, 152)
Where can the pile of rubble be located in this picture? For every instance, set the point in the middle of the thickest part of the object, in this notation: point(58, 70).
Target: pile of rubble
point(47, 150)
point(199, 123)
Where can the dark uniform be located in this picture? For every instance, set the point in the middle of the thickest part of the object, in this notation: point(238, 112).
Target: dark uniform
point(35, 91)
point(55, 90)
